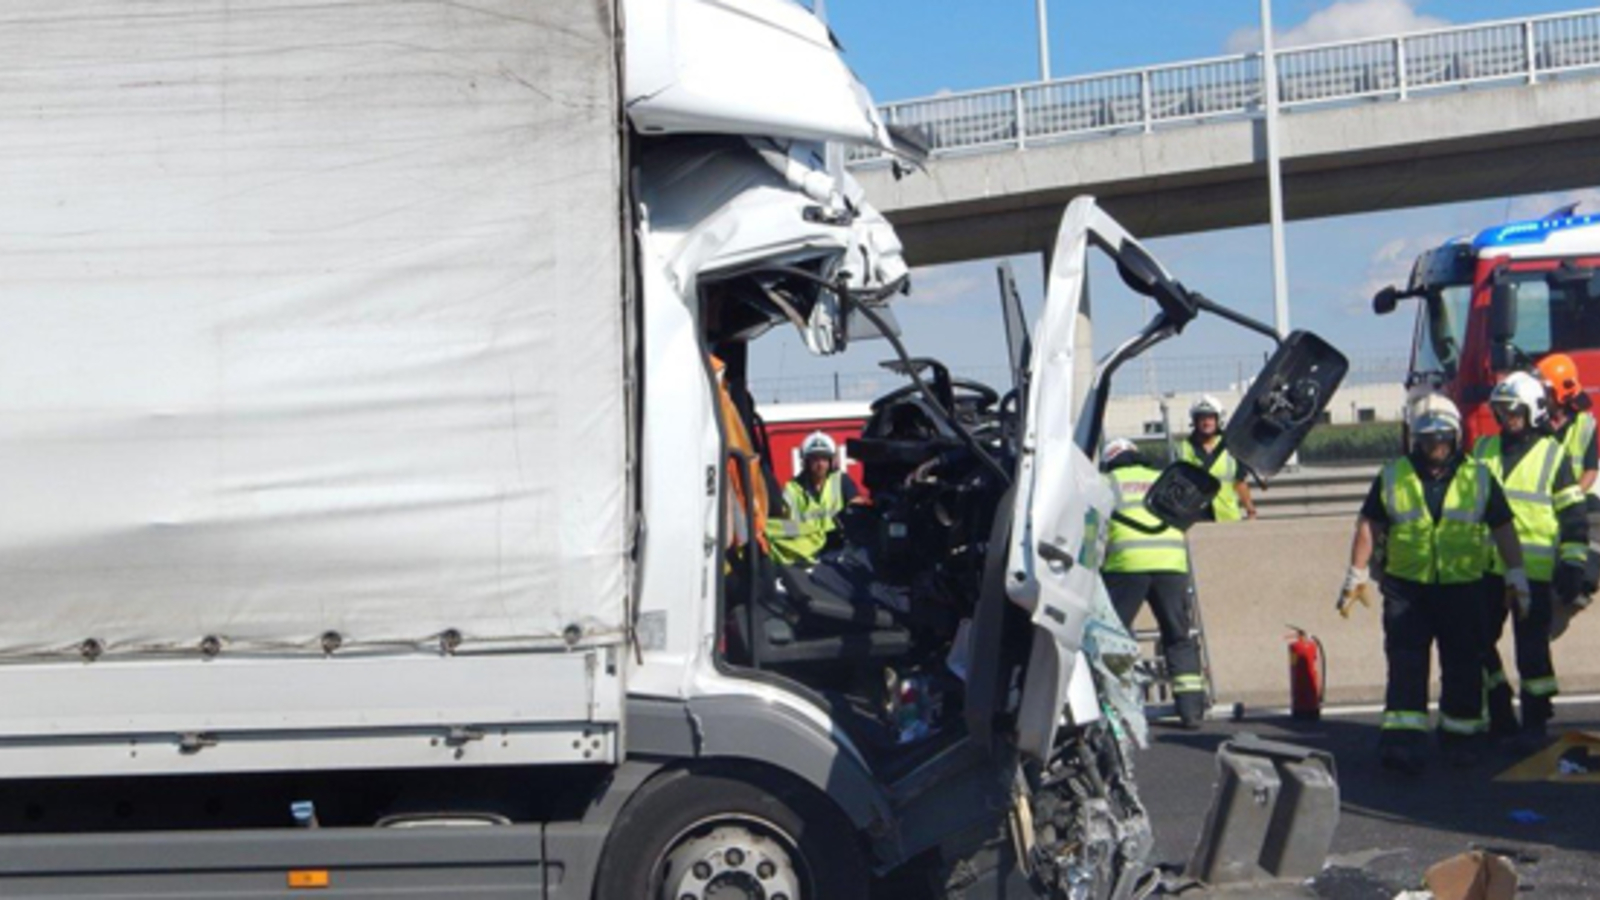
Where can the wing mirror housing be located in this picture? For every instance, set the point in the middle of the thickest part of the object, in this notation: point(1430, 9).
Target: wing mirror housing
point(1502, 310)
point(1502, 323)
point(1181, 496)
point(1386, 301)
point(1284, 402)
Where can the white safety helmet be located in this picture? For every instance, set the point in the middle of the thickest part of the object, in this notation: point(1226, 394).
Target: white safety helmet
point(1522, 391)
point(1118, 446)
point(1206, 406)
point(818, 443)
point(1433, 414)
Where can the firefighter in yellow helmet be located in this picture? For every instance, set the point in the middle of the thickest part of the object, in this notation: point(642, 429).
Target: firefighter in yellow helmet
point(1434, 504)
point(1151, 564)
point(1551, 527)
point(816, 496)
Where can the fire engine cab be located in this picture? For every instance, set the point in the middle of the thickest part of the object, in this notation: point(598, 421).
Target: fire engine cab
point(1500, 301)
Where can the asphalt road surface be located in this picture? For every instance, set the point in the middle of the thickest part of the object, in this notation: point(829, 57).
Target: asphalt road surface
point(1392, 826)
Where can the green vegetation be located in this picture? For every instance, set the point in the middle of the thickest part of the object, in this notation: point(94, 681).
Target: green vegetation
point(1368, 441)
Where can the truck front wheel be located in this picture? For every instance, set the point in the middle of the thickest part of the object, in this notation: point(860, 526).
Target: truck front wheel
point(720, 836)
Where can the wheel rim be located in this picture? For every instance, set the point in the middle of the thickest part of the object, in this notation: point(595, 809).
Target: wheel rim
point(732, 858)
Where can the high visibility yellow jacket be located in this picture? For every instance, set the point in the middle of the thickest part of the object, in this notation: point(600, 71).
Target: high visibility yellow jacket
point(1576, 440)
point(1127, 548)
point(801, 537)
point(1226, 470)
point(1449, 550)
point(1535, 503)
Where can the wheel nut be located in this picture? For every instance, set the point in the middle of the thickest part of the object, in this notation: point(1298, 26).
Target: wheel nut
point(735, 857)
point(766, 870)
point(702, 870)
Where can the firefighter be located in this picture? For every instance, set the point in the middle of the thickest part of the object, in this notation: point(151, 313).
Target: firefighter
point(1153, 565)
point(1204, 448)
point(1548, 507)
point(1434, 504)
point(1573, 426)
point(816, 496)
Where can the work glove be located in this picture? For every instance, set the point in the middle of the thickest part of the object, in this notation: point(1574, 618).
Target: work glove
point(1357, 589)
point(1519, 597)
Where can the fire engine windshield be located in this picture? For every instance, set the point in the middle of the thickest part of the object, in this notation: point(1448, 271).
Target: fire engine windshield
point(1556, 313)
point(1440, 330)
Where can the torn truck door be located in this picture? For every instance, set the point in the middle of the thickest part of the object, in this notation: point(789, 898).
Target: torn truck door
point(1061, 503)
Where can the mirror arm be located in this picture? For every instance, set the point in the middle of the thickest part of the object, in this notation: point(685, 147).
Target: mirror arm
point(1201, 301)
point(1157, 330)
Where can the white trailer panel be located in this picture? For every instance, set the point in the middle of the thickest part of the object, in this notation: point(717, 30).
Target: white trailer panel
point(314, 323)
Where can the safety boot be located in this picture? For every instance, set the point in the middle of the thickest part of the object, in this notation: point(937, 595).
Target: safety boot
point(1191, 708)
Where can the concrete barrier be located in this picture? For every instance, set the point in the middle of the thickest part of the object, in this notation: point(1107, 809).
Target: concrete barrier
point(1256, 578)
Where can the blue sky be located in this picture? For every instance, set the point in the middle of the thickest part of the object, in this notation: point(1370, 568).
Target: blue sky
point(903, 49)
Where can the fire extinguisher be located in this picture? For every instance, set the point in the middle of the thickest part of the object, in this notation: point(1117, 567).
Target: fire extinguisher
point(1308, 674)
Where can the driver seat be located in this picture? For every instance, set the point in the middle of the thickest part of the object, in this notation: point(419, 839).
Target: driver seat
point(795, 619)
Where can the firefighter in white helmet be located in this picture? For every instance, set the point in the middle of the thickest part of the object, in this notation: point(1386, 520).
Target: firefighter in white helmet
point(1548, 505)
point(1204, 448)
point(816, 496)
point(1434, 503)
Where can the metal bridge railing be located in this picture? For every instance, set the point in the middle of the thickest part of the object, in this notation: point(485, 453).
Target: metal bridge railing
point(1515, 51)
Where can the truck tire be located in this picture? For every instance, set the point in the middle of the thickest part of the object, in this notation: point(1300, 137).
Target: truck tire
point(730, 836)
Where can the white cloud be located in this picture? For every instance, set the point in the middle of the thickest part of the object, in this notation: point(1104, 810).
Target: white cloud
point(944, 285)
point(1345, 20)
point(1537, 206)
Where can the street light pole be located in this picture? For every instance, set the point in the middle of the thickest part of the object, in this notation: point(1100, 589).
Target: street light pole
point(1280, 266)
point(1044, 40)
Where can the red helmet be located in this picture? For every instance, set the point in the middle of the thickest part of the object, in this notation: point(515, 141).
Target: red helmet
point(1560, 375)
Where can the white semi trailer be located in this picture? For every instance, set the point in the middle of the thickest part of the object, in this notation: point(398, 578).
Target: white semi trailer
point(373, 517)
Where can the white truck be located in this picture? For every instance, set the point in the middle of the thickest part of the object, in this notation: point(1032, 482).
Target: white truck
point(368, 382)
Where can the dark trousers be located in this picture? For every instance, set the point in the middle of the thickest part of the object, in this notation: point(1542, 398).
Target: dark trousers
point(1535, 671)
point(1168, 594)
point(1415, 617)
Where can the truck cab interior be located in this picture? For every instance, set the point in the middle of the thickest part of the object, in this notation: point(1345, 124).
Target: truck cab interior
point(877, 628)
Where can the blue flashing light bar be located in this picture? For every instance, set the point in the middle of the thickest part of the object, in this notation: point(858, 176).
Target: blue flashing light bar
point(1532, 232)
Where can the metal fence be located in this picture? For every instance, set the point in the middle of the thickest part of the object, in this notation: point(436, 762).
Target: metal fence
point(1515, 51)
point(1155, 377)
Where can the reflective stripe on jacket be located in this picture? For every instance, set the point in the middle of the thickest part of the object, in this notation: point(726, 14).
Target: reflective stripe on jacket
point(1530, 489)
point(1127, 548)
point(1224, 469)
point(801, 537)
point(1450, 550)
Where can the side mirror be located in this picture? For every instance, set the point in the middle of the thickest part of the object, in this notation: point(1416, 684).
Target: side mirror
point(1283, 403)
point(1181, 496)
point(1385, 301)
point(1502, 310)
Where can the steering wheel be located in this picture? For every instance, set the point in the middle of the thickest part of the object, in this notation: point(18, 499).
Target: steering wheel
point(984, 395)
